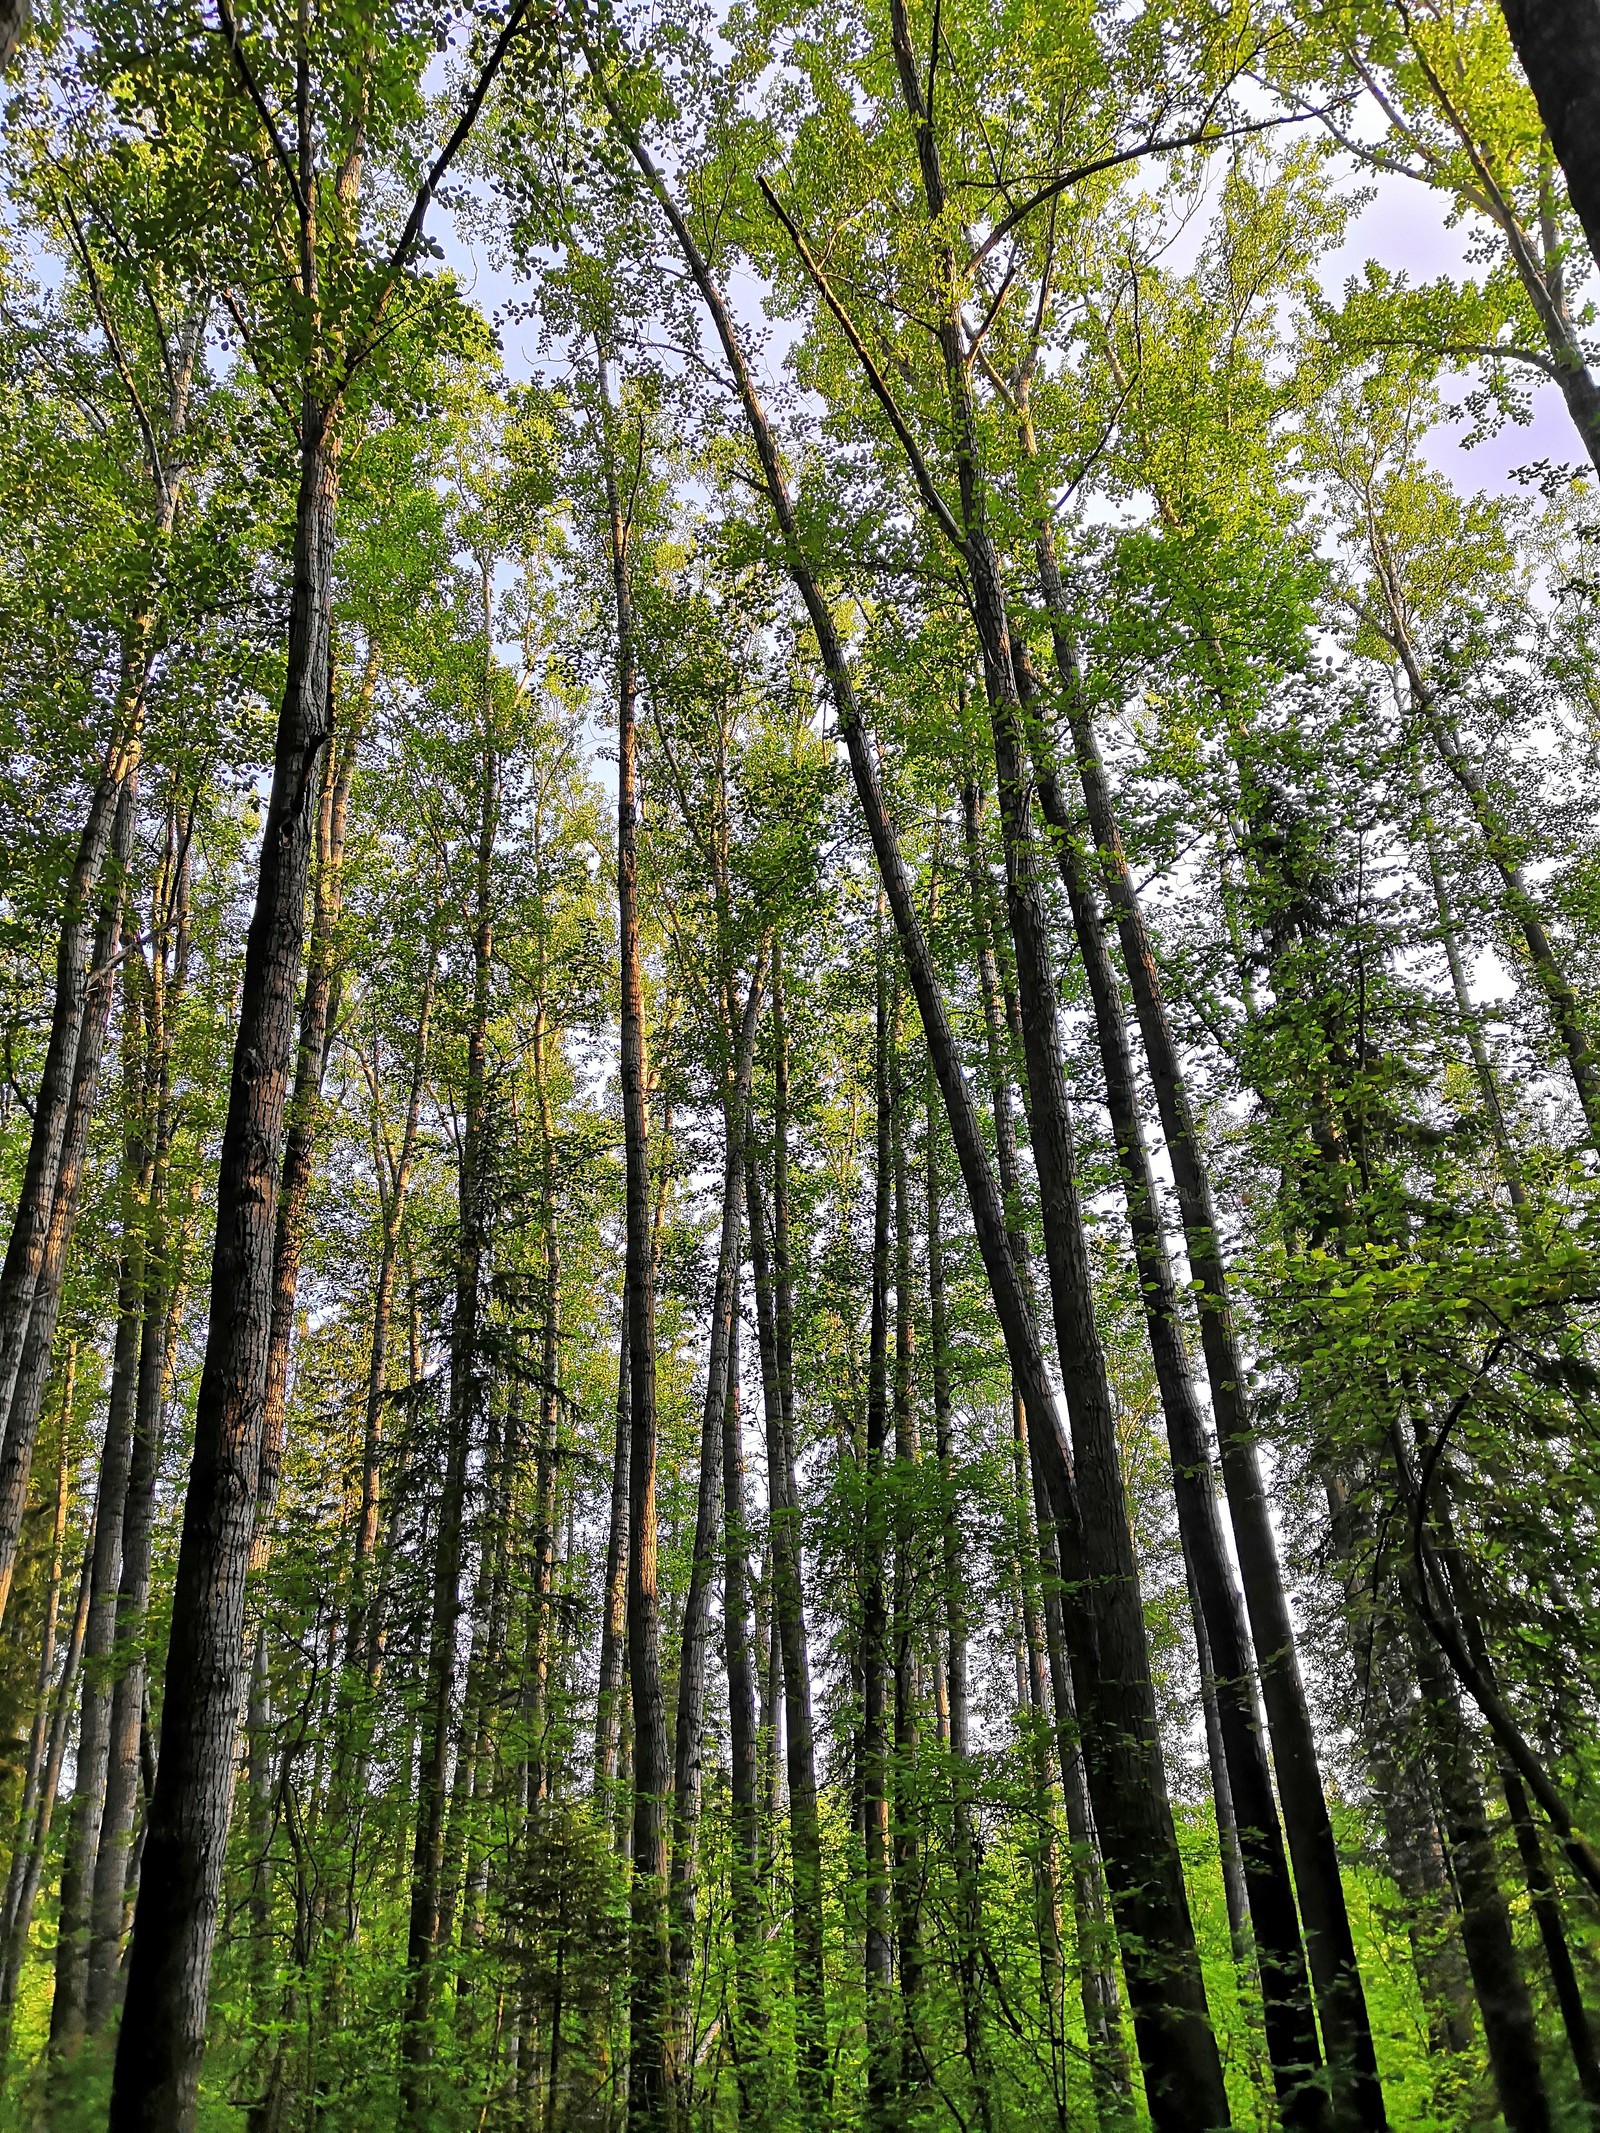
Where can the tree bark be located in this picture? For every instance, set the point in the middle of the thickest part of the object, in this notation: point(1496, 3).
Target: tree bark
point(428, 1852)
point(873, 1635)
point(164, 1259)
point(318, 1015)
point(1558, 43)
point(49, 1275)
point(774, 1320)
point(689, 1739)
point(1225, 1647)
point(969, 1897)
point(162, 2037)
point(651, 2072)
point(745, 1863)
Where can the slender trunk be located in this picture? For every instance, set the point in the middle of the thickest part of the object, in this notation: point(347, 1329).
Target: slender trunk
point(651, 2082)
point(1509, 2028)
point(1220, 1624)
point(882, 2055)
point(1546, 1901)
point(688, 1745)
point(69, 2008)
point(613, 1591)
point(41, 1226)
point(39, 1731)
point(38, 1340)
point(745, 1863)
point(547, 1452)
point(969, 1896)
point(22, 1892)
point(1234, 1890)
point(318, 1015)
point(1033, 1722)
point(78, 959)
point(774, 1319)
point(1097, 1981)
point(394, 1214)
point(164, 1255)
point(428, 1853)
point(907, 1455)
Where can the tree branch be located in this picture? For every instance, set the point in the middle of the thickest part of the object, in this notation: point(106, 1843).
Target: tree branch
point(926, 486)
point(1203, 136)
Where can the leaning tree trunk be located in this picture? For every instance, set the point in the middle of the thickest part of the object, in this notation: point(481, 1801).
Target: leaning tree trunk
point(162, 2037)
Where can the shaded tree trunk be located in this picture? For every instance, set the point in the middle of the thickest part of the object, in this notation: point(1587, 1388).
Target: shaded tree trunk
point(432, 1812)
point(651, 2078)
point(162, 2037)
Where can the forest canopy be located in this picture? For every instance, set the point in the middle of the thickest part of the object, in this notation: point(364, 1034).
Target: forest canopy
point(799, 1097)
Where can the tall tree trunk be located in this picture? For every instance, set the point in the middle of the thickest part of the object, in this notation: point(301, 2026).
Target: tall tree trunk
point(1225, 1647)
point(41, 1226)
point(1116, 1704)
point(744, 1867)
point(69, 2008)
point(873, 1647)
point(428, 1852)
point(38, 1340)
point(165, 1250)
point(162, 2037)
point(548, 1445)
point(1033, 1722)
point(651, 2075)
point(614, 1587)
point(1185, 2074)
point(688, 1744)
point(969, 1897)
point(1097, 1982)
point(394, 1198)
point(1509, 2028)
point(774, 1322)
point(318, 1017)
point(907, 1717)
point(1330, 1947)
